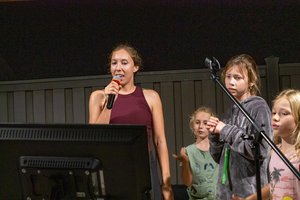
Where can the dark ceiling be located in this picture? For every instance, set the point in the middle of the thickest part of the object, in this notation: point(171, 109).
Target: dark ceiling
point(40, 39)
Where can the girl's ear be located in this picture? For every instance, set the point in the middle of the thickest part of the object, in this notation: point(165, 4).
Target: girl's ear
point(136, 68)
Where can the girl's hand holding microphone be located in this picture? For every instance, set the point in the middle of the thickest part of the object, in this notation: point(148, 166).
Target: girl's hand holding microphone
point(111, 90)
point(113, 87)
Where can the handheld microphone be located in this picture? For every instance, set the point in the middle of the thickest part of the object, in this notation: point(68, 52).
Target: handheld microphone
point(111, 97)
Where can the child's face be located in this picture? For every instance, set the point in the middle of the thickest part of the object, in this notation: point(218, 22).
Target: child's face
point(237, 83)
point(283, 122)
point(199, 125)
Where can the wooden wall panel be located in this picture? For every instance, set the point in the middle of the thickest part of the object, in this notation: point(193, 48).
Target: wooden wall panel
point(10, 107)
point(178, 136)
point(209, 94)
point(289, 75)
point(68, 105)
point(19, 107)
point(263, 90)
point(49, 106)
point(198, 93)
point(295, 81)
point(29, 106)
point(3, 107)
point(273, 78)
point(59, 114)
point(182, 91)
point(79, 105)
point(87, 94)
point(39, 106)
point(166, 93)
point(285, 82)
point(188, 107)
point(219, 101)
point(146, 85)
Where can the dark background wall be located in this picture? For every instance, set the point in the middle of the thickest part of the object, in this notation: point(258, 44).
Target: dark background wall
point(40, 39)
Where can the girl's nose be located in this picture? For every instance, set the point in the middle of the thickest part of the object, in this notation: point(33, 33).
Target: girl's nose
point(275, 117)
point(119, 66)
point(231, 81)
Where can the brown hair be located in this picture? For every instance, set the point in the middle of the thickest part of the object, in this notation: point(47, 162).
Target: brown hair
point(248, 67)
point(137, 59)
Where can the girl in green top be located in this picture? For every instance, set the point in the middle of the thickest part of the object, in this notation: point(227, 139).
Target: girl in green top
point(199, 171)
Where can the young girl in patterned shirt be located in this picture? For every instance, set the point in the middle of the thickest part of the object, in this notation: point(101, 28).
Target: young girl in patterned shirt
point(284, 185)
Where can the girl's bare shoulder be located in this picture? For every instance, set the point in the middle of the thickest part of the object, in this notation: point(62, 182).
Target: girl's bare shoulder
point(97, 94)
point(150, 93)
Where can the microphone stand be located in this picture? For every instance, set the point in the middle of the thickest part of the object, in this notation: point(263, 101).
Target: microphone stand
point(214, 66)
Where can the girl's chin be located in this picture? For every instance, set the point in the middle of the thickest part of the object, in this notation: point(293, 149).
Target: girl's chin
point(203, 136)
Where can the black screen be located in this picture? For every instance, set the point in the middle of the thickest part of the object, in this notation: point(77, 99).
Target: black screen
point(67, 161)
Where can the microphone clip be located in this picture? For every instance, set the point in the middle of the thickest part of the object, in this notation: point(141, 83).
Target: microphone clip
point(213, 65)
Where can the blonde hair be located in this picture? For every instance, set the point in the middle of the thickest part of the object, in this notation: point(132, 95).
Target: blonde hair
point(293, 97)
point(200, 109)
point(248, 67)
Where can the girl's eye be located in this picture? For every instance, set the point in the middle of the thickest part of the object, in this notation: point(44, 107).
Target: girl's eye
point(281, 113)
point(237, 77)
point(273, 113)
point(285, 113)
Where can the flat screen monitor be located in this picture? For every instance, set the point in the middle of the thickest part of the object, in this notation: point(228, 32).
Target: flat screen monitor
point(72, 162)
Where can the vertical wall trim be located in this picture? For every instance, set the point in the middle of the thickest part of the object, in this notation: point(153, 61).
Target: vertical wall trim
point(20, 107)
point(3, 107)
point(272, 77)
point(39, 109)
point(59, 115)
point(79, 105)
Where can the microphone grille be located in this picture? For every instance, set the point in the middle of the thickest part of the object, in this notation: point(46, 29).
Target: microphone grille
point(117, 77)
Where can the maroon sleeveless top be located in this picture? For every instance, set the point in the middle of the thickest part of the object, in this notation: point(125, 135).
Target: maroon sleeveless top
point(132, 109)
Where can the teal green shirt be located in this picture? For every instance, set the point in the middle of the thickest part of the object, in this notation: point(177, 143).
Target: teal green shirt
point(205, 174)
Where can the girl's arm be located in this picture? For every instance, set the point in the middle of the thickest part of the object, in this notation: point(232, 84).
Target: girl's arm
point(235, 135)
point(265, 195)
point(98, 113)
point(186, 173)
point(160, 142)
point(214, 125)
